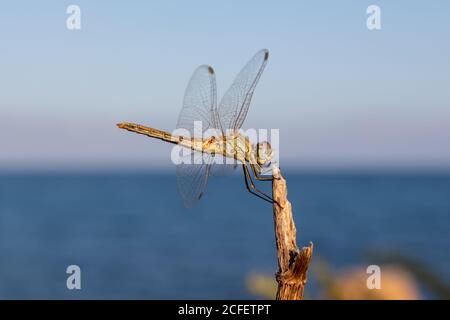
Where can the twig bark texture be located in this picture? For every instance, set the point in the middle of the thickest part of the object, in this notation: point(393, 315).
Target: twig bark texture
point(292, 262)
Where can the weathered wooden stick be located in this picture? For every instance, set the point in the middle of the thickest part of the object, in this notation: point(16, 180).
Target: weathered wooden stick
point(292, 262)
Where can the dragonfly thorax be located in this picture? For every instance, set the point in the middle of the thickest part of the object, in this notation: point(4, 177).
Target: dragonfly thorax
point(236, 146)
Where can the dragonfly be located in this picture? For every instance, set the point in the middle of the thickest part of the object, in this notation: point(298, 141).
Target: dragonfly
point(227, 140)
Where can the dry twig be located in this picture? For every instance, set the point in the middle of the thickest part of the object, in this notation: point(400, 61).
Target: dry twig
point(292, 262)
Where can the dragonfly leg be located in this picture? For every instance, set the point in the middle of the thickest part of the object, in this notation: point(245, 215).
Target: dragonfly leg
point(257, 176)
point(251, 187)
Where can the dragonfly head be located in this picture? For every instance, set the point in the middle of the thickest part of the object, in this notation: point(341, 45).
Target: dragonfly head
point(263, 153)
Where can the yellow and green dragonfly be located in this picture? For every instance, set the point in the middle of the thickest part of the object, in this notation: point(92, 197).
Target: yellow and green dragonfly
point(226, 141)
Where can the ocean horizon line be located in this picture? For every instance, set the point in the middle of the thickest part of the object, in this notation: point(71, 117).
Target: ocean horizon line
point(152, 170)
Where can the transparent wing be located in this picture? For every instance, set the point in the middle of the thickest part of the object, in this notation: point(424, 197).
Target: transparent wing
point(199, 104)
point(200, 101)
point(234, 105)
point(220, 167)
point(192, 178)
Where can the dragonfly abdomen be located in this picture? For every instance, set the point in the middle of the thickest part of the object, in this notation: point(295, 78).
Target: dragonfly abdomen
point(150, 132)
point(191, 143)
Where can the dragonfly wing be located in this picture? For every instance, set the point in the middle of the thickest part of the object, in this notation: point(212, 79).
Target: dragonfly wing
point(199, 104)
point(200, 101)
point(221, 168)
point(192, 178)
point(234, 105)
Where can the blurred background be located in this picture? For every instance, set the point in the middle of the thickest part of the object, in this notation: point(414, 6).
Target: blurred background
point(364, 124)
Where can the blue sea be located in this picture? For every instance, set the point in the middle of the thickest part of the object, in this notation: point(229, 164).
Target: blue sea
point(132, 238)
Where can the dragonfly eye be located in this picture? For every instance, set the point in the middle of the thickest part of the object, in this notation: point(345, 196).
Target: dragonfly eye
point(263, 153)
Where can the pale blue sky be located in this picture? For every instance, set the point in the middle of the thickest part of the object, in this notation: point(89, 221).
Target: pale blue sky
point(341, 95)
